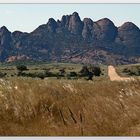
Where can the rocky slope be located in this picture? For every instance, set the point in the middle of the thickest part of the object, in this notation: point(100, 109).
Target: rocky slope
point(73, 40)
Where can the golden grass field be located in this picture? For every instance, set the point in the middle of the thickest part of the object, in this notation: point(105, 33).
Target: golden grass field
point(69, 107)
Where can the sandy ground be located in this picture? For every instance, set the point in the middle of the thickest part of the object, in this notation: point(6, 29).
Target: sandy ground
point(115, 77)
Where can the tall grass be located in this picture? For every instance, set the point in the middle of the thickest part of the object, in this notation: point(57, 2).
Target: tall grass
point(69, 108)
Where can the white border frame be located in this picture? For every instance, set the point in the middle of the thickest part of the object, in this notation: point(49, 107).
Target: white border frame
point(67, 1)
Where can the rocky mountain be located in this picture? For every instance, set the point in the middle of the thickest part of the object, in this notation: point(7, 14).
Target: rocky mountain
point(73, 40)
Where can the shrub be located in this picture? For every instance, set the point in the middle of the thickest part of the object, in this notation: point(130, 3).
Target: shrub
point(73, 74)
point(41, 75)
point(62, 71)
point(90, 71)
point(21, 68)
point(49, 74)
point(96, 71)
point(84, 71)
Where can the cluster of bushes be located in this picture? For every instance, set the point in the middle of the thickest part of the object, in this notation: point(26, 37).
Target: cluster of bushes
point(21, 68)
point(41, 75)
point(86, 71)
point(90, 71)
point(132, 70)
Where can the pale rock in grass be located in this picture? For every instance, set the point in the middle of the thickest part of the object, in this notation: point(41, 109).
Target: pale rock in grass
point(69, 87)
point(6, 106)
point(16, 87)
point(120, 96)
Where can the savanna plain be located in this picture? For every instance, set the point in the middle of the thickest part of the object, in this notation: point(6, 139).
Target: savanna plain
point(66, 103)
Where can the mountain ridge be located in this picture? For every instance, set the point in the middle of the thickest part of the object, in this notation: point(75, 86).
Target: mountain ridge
point(73, 40)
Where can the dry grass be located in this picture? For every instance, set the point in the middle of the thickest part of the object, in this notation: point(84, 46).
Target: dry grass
point(69, 108)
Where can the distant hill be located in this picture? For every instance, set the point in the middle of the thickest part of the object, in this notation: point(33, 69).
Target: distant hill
point(73, 40)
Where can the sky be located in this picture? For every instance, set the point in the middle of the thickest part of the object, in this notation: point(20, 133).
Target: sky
point(27, 17)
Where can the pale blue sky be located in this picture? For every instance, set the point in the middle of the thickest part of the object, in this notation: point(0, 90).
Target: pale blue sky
point(27, 17)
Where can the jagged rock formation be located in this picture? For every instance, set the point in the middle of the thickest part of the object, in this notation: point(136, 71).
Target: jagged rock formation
point(73, 40)
point(129, 36)
point(5, 42)
point(107, 30)
point(88, 29)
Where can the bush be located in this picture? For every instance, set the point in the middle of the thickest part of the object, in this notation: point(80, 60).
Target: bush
point(41, 75)
point(84, 71)
point(90, 71)
point(73, 74)
point(49, 74)
point(21, 68)
point(90, 75)
point(62, 71)
point(32, 75)
point(96, 71)
point(125, 70)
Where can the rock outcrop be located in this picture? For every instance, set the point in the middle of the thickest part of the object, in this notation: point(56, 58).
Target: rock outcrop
point(106, 30)
point(71, 39)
